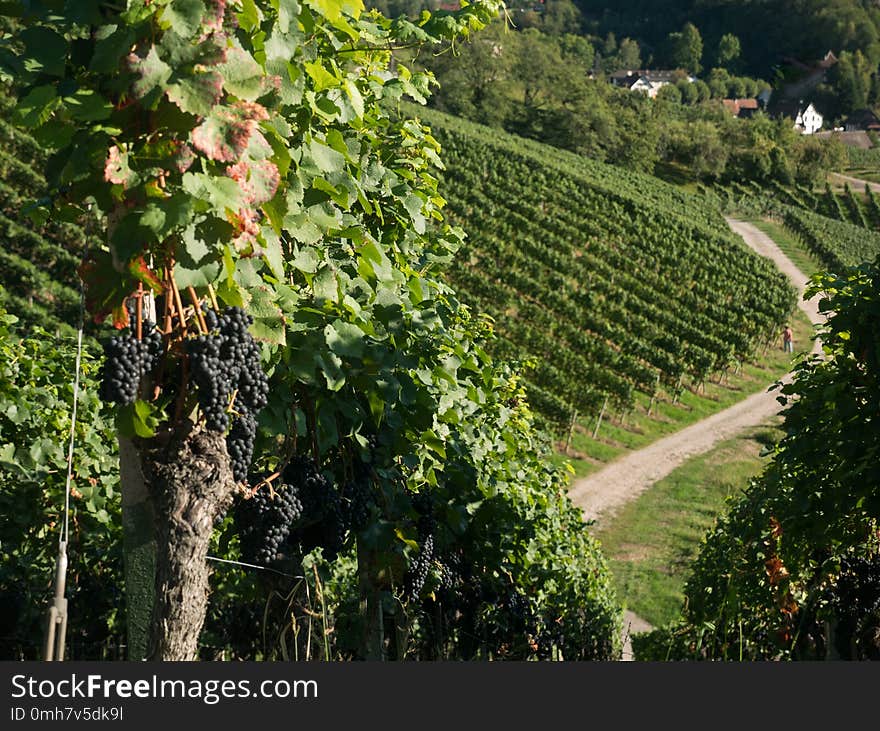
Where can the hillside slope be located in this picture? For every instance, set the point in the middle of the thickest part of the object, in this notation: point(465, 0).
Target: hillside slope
point(609, 282)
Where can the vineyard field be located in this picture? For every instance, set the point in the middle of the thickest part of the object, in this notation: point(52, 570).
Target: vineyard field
point(610, 283)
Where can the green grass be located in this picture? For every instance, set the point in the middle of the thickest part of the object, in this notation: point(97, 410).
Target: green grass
point(790, 245)
point(652, 542)
point(618, 435)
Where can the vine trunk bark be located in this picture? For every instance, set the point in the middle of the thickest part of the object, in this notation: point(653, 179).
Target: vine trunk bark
point(189, 478)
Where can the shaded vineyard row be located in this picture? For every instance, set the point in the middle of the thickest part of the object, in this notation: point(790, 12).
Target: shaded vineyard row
point(37, 261)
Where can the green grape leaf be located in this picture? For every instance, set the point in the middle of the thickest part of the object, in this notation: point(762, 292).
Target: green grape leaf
point(45, 51)
point(243, 76)
point(112, 44)
point(221, 193)
point(137, 420)
point(345, 339)
point(197, 94)
point(87, 105)
point(184, 16)
point(37, 106)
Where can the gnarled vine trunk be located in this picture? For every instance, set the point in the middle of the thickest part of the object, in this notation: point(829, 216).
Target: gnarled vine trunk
point(189, 478)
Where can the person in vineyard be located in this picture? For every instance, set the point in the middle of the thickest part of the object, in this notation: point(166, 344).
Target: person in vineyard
point(788, 340)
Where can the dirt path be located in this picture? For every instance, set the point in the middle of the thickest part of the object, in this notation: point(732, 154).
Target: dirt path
point(632, 625)
point(601, 494)
point(859, 184)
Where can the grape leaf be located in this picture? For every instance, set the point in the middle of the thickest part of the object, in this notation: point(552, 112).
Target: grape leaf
point(201, 275)
point(345, 339)
point(197, 94)
point(45, 51)
point(243, 76)
point(38, 106)
point(184, 16)
point(220, 192)
point(287, 12)
point(152, 72)
point(112, 43)
point(88, 106)
point(258, 180)
point(226, 132)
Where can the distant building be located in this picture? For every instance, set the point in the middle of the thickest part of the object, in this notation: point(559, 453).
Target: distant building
point(649, 82)
point(764, 98)
point(807, 119)
point(827, 62)
point(742, 108)
point(864, 120)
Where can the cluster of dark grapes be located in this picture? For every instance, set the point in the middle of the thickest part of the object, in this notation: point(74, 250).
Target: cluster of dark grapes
point(359, 498)
point(240, 444)
point(127, 360)
point(418, 571)
point(324, 515)
point(223, 362)
point(265, 521)
point(517, 611)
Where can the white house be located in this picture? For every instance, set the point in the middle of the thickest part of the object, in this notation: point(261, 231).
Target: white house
point(648, 82)
point(808, 121)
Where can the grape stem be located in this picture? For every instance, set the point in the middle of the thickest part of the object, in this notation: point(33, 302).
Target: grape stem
point(178, 303)
point(265, 481)
point(200, 319)
point(140, 310)
point(166, 327)
point(213, 298)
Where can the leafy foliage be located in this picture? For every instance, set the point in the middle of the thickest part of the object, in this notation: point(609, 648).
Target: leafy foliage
point(36, 392)
point(246, 150)
point(785, 559)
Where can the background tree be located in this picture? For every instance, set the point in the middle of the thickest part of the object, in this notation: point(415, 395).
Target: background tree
point(669, 93)
point(728, 51)
point(689, 92)
point(629, 55)
point(561, 16)
point(684, 49)
point(476, 76)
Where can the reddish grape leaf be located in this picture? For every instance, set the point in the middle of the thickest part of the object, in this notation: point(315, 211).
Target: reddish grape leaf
point(227, 131)
point(258, 180)
point(214, 15)
point(105, 290)
point(116, 169)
